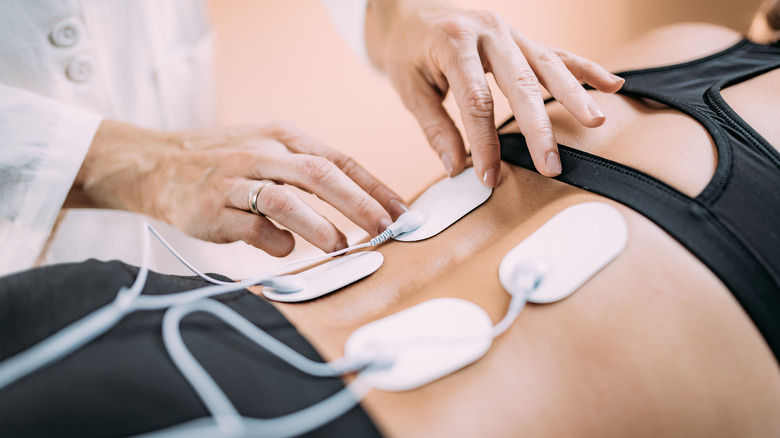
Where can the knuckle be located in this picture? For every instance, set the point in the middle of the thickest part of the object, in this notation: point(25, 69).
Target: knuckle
point(490, 18)
point(280, 127)
point(485, 143)
point(456, 28)
point(318, 170)
point(574, 87)
point(582, 68)
point(322, 232)
point(276, 201)
point(364, 206)
point(346, 163)
point(479, 101)
point(549, 57)
point(435, 133)
point(543, 128)
point(526, 81)
point(245, 157)
point(372, 187)
point(587, 64)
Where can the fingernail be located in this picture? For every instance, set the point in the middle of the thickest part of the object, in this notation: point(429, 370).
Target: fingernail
point(617, 78)
point(595, 112)
point(446, 159)
point(490, 178)
point(383, 224)
point(552, 164)
point(397, 207)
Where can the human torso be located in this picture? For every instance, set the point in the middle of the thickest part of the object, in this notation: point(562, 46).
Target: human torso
point(654, 344)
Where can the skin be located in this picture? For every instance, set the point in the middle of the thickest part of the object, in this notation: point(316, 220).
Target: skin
point(198, 181)
point(160, 174)
point(652, 345)
point(430, 48)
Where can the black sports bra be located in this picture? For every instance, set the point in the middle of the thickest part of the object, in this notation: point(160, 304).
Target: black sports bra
point(733, 225)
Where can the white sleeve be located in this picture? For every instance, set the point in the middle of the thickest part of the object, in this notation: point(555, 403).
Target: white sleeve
point(42, 145)
point(349, 17)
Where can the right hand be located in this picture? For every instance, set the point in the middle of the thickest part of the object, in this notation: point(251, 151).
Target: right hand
point(428, 47)
point(199, 181)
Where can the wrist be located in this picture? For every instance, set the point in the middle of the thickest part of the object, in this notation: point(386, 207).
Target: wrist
point(379, 15)
point(392, 19)
point(117, 169)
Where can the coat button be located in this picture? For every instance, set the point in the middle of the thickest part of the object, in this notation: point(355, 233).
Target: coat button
point(79, 69)
point(65, 33)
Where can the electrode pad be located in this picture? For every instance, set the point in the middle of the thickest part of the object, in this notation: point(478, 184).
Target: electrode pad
point(570, 249)
point(445, 202)
point(421, 344)
point(331, 276)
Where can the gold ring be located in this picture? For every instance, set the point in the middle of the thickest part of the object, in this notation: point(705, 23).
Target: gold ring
point(254, 193)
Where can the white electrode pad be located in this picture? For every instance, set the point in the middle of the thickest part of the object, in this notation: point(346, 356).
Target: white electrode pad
point(445, 202)
point(568, 250)
point(331, 276)
point(421, 344)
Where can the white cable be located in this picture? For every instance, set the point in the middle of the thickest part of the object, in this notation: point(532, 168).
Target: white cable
point(516, 305)
point(256, 279)
point(225, 414)
point(77, 334)
point(290, 425)
point(184, 261)
point(130, 299)
point(408, 221)
point(526, 279)
point(222, 410)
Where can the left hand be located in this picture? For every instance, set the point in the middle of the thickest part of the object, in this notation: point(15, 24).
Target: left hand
point(428, 47)
point(199, 181)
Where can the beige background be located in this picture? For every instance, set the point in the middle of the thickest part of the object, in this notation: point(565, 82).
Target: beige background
point(283, 60)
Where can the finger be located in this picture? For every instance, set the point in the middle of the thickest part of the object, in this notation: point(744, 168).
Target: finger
point(286, 208)
point(424, 100)
point(321, 177)
point(296, 141)
point(590, 72)
point(556, 78)
point(388, 199)
point(582, 68)
point(466, 77)
point(520, 85)
point(234, 225)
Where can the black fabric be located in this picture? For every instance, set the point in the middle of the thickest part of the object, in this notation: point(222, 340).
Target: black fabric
point(124, 383)
point(733, 226)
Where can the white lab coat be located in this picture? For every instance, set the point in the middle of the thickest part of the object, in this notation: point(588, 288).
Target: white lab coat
point(65, 65)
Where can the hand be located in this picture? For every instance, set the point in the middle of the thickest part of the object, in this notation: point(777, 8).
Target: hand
point(428, 47)
point(199, 182)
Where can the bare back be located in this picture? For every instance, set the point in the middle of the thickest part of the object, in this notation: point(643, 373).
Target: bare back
point(653, 345)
